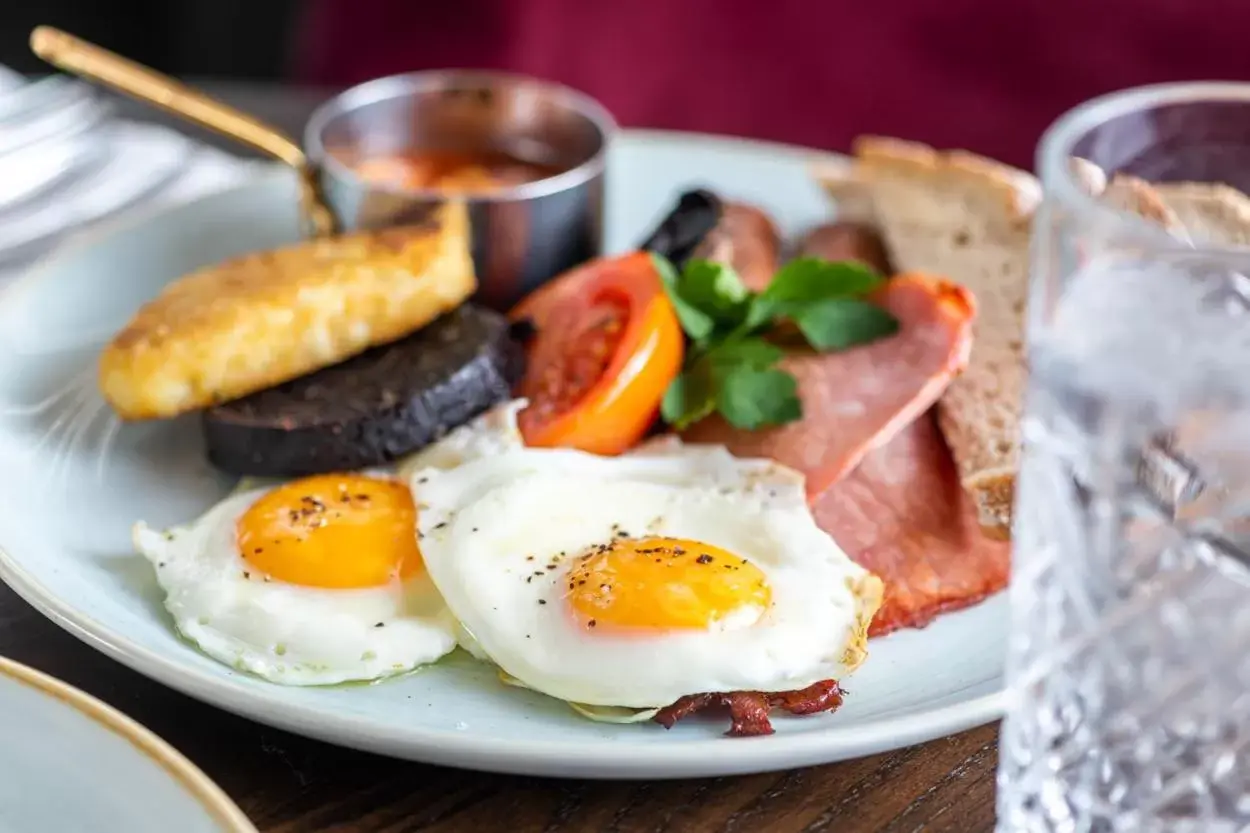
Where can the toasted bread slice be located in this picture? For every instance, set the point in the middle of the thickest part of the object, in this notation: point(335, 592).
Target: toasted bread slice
point(262, 319)
point(1210, 213)
point(1136, 196)
point(1199, 212)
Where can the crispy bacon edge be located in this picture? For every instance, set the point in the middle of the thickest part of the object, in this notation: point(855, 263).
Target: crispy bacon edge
point(748, 710)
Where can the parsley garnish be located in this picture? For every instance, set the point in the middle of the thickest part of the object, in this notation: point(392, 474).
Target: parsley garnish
point(729, 366)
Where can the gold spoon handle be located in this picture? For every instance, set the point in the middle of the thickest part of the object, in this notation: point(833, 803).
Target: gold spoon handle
point(75, 55)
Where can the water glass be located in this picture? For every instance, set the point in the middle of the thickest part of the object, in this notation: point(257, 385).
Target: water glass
point(1129, 660)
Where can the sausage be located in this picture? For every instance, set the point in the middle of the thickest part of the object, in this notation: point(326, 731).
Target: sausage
point(746, 239)
point(847, 241)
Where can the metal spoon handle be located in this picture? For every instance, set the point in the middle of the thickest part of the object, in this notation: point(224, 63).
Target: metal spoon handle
point(79, 57)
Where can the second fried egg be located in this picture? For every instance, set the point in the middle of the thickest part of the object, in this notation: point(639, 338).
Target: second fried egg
point(634, 581)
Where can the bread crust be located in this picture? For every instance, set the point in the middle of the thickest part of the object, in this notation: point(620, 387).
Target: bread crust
point(1018, 191)
point(1128, 193)
point(1209, 212)
point(261, 319)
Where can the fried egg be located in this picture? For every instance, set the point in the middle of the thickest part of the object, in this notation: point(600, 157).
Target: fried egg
point(632, 581)
point(319, 580)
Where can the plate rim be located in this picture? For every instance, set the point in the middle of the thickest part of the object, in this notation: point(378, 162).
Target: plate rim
point(194, 781)
point(549, 757)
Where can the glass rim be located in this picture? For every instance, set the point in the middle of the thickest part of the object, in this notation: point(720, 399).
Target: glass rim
point(1054, 149)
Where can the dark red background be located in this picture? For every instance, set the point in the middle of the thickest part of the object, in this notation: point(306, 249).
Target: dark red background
point(987, 75)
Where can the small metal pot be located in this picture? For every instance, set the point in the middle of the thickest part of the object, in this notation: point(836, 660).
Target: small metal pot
point(522, 235)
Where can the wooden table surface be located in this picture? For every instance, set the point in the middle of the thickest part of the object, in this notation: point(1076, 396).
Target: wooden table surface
point(294, 785)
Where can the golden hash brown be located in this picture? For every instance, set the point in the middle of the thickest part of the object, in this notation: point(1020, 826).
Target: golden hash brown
point(262, 319)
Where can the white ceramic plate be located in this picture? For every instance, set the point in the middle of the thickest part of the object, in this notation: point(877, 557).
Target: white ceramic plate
point(70, 763)
point(74, 483)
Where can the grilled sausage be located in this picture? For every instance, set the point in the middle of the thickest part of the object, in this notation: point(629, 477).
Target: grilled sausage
point(746, 239)
point(847, 241)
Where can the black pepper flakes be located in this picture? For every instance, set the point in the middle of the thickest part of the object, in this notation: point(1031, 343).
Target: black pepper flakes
point(380, 625)
point(705, 559)
point(591, 623)
point(542, 601)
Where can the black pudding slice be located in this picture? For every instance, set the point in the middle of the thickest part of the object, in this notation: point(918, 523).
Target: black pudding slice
point(373, 408)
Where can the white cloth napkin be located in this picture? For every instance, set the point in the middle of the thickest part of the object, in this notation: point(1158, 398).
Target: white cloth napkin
point(67, 167)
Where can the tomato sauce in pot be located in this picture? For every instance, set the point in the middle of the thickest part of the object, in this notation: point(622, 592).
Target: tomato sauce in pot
point(452, 171)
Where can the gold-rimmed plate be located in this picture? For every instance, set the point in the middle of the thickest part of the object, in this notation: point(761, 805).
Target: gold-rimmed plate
point(70, 762)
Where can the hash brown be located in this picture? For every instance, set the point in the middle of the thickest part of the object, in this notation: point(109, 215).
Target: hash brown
point(262, 319)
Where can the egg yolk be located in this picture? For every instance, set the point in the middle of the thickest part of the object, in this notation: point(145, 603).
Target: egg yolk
point(332, 530)
point(662, 583)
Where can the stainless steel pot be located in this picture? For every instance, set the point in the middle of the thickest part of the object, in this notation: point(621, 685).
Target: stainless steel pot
point(522, 235)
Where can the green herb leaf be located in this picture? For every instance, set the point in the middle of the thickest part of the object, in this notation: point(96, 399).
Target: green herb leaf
point(745, 352)
point(807, 280)
point(715, 289)
point(839, 323)
point(697, 324)
point(690, 397)
point(813, 279)
point(732, 370)
point(693, 395)
point(750, 398)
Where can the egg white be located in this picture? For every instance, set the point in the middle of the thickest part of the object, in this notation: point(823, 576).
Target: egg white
point(499, 535)
point(297, 635)
point(289, 633)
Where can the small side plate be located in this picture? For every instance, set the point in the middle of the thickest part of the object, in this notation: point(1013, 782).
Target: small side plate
point(70, 762)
